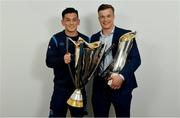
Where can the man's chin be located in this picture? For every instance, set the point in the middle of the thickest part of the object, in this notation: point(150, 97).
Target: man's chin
point(72, 30)
point(106, 27)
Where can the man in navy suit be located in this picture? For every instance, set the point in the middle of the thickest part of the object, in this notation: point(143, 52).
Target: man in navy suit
point(119, 91)
point(60, 54)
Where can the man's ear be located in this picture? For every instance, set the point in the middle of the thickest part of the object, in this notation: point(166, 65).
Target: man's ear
point(62, 22)
point(78, 21)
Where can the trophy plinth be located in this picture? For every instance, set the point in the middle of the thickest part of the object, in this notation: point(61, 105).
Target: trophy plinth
point(76, 99)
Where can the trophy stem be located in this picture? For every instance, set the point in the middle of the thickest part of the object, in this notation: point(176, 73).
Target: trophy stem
point(76, 99)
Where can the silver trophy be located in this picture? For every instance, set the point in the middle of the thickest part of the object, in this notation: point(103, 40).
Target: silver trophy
point(87, 59)
point(124, 46)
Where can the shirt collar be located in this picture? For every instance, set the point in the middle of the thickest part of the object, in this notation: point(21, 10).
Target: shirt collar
point(109, 34)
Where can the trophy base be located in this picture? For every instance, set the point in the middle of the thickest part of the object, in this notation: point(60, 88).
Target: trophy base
point(76, 99)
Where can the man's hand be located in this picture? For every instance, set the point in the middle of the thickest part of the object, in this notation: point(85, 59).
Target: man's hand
point(67, 58)
point(115, 81)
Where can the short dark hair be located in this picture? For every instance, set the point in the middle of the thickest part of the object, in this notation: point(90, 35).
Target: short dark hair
point(69, 10)
point(105, 6)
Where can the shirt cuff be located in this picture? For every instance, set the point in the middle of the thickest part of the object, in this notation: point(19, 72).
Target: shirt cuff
point(122, 76)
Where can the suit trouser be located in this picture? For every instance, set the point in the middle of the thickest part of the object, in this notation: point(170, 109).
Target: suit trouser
point(102, 98)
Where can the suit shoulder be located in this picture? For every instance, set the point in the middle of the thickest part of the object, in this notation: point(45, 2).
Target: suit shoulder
point(122, 29)
point(84, 36)
point(59, 34)
point(59, 37)
point(96, 34)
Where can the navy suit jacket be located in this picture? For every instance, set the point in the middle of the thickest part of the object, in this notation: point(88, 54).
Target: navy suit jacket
point(132, 63)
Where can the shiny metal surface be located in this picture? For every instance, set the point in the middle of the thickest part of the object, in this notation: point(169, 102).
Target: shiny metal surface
point(87, 59)
point(76, 99)
point(124, 46)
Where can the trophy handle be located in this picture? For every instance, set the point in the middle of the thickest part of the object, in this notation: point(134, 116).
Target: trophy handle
point(102, 50)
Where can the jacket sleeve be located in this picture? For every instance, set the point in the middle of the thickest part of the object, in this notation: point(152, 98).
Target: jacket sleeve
point(53, 57)
point(132, 63)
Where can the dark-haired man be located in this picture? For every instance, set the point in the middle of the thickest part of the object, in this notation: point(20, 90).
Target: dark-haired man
point(60, 53)
point(118, 92)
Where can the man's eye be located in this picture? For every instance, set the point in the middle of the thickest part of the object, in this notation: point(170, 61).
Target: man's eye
point(109, 16)
point(74, 19)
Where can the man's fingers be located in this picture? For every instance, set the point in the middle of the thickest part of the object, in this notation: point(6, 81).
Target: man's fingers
point(67, 58)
